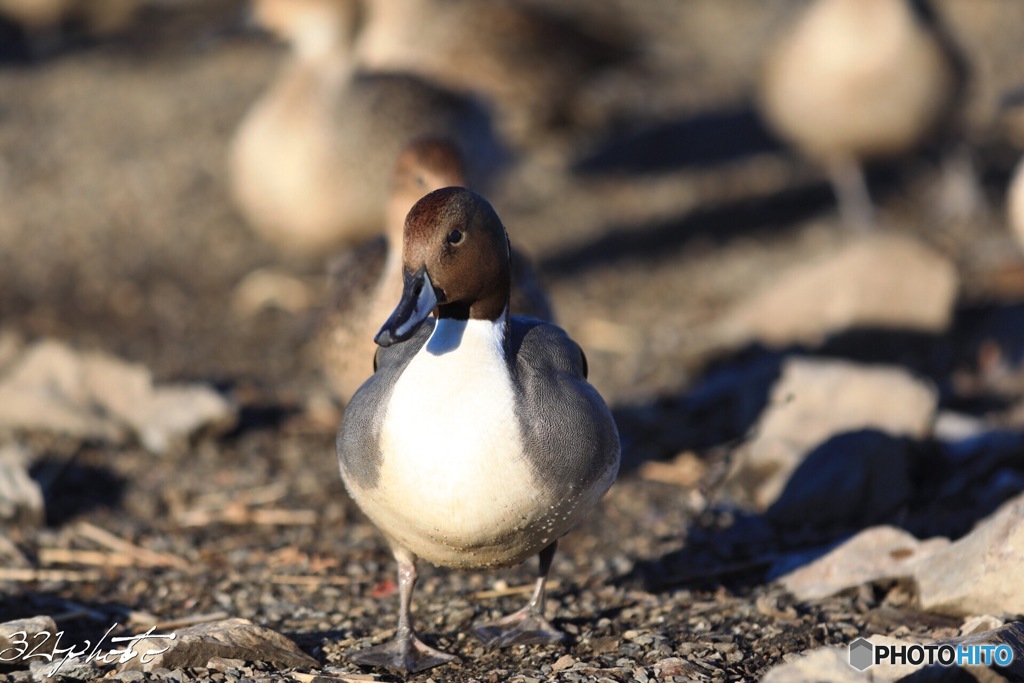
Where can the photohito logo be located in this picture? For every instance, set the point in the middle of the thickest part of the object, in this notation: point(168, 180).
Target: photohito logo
point(864, 654)
point(861, 654)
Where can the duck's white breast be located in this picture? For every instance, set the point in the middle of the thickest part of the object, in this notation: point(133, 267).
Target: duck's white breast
point(455, 487)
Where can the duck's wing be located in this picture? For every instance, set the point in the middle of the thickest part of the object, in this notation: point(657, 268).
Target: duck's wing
point(352, 272)
point(568, 431)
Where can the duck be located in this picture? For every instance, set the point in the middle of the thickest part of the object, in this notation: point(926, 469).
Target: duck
point(858, 80)
point(365, 282)
point(477, 442)
point(36, 15)
point(44, 23)
point(531, 64)
point(310, 161)
point(1015, 203)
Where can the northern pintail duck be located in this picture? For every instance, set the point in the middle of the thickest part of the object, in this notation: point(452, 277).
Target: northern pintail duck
point(856, 80)
point(477, 442)
point(366, 281)
point(1015, 203)
point(42, 20)
point(36, 15)
point(530, 63)
point(311, 161)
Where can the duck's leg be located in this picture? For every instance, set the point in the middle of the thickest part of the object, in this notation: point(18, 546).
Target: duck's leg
point(851, 189)
point(528, 625)
point(405, 651)
point(960, 197)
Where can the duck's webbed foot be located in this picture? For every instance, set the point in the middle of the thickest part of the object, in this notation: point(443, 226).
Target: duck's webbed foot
point(405, 652)
point(527, 626)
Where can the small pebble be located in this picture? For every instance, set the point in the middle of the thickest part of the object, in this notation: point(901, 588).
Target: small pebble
point(223, 663)
point(562, 663)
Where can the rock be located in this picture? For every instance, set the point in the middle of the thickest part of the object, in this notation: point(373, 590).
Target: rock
point(21, 499)
point(228, 639)
point(221, 664)
point(562, 663)
point(817, 399)
point(159, 416)
point(874, 554)
point(677, 666)
point(881, 281)
point(78, 669)
point(832, 664)
point(980, 624)
point(824, 664)
point(1011, 634)
point(174, 412)
point(24, 641)
point(342, 676)
point(44, 391)
point(96, 396)
point(953, 426)
point(981, 573)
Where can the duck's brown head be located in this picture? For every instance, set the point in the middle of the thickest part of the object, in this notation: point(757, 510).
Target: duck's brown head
point(455, 258)
point(425, 165)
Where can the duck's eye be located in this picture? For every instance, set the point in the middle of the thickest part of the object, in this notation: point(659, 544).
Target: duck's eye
point(454, 237)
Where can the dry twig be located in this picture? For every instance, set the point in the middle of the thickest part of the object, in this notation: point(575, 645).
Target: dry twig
point(99, 558)
point(141, 556)
point(511, 590)
point(26, 575)
point(310, 580)
point(240, 515)
point(343, 678)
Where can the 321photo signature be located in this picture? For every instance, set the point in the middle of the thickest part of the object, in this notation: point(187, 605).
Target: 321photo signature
point(25, 646)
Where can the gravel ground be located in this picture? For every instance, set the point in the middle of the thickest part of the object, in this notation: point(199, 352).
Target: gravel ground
point(116, 233)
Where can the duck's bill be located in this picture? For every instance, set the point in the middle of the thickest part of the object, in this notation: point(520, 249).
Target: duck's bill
point(418, 300)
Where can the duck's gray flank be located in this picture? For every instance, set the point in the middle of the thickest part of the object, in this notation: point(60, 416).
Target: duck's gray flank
point(555, 408)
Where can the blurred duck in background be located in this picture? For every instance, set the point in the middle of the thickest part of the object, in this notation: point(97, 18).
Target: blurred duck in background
point(1015, 203)
point(531, 64)
point(1012, 109)
point(310, 163)
point(366, 282)
point(43, 21)
point(856, 80)
point(37, 15)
